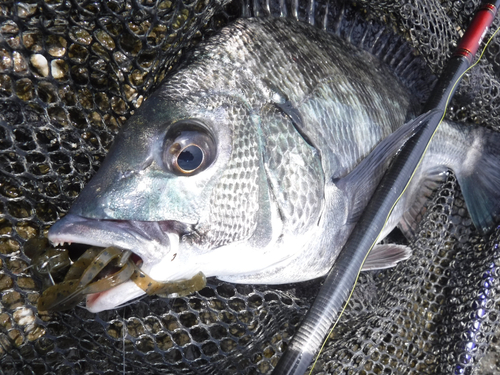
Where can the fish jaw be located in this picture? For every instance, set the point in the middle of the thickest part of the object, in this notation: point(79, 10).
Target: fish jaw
point(153, 242)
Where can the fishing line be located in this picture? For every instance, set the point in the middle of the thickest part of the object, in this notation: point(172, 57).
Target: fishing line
point(399, 197)
point(123, 342)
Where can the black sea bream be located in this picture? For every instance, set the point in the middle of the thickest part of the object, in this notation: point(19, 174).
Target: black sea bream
point(246, 164)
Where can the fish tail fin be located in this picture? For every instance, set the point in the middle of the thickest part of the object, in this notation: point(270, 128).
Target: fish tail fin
point(473, 154)
point(479, 178)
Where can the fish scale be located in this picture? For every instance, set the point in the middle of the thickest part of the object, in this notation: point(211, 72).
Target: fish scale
point(233, 201)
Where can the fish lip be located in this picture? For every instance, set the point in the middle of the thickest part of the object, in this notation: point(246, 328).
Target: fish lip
point(149, 240)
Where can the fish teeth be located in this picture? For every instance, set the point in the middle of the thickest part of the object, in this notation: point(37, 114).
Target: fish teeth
point(56, 244)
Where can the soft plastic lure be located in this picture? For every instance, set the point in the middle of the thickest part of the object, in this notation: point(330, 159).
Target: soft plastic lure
point(46, 263)
point(79, 280)
point(96, 271)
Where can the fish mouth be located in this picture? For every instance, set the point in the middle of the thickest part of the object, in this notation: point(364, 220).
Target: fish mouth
point(150, 244)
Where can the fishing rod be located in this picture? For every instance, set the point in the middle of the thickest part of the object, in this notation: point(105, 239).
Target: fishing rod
point(339, 284)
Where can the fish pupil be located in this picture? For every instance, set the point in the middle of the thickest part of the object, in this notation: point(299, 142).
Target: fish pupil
point(190, 158)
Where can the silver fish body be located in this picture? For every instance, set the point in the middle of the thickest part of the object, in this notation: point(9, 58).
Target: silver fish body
point(246, 163)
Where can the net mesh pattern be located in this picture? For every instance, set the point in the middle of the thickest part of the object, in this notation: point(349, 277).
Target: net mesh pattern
point(71, 72)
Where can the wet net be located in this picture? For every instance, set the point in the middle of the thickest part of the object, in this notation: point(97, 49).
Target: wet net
point(71, 72)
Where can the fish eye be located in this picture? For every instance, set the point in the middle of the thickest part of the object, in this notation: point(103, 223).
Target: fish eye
point(188, 149)
point(190, 158)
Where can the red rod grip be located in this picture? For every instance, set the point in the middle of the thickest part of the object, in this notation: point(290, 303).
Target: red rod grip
point(476, 31)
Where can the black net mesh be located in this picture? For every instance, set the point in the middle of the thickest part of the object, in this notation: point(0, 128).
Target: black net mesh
point(71, 72)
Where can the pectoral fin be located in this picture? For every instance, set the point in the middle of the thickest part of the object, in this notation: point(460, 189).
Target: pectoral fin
point(361, 182)
point(386, 256)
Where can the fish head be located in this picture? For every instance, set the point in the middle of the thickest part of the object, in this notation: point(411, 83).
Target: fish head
point(182, 177)
point(212, 174)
